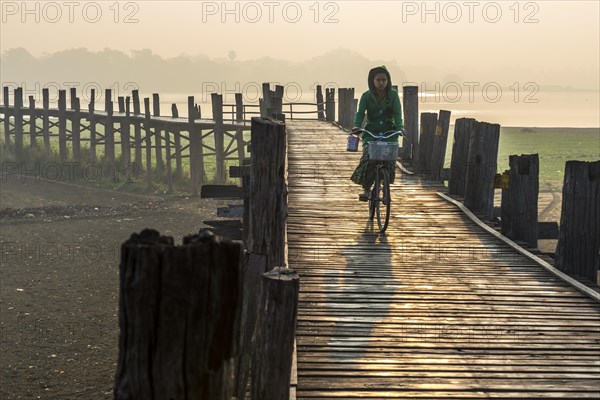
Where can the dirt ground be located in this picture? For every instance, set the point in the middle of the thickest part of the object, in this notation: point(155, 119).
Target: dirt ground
point(59, 281)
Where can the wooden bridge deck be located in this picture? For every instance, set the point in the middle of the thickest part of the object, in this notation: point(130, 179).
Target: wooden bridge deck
point(436, 308)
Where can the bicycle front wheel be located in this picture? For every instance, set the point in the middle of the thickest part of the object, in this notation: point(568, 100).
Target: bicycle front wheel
point(384, 200)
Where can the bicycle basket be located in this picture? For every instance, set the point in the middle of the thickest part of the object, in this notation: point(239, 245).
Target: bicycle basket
point(383, 151)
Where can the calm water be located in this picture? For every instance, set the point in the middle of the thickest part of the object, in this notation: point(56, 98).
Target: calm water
point(551, 109)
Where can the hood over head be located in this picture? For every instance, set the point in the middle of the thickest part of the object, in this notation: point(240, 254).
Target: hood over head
point(375, 71)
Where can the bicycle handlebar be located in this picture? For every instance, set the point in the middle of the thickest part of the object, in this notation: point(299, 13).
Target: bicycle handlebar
point(383, 136)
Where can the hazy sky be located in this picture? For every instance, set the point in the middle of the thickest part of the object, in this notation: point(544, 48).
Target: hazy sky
point(555, 42)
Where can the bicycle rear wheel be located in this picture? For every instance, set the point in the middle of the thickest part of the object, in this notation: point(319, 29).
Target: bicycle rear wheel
point(374, 198)
point(383, 202)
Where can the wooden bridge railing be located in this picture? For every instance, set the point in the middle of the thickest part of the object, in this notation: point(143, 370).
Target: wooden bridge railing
point(164, 140)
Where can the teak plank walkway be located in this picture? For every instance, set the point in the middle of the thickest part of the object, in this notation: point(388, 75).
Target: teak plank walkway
point(436, 308)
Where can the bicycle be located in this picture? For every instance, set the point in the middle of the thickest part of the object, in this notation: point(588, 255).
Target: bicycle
point(381, 152)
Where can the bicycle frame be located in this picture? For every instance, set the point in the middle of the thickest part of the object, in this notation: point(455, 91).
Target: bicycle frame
point(381, 184)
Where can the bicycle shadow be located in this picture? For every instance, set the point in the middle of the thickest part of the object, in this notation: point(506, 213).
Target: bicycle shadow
point(362, 296)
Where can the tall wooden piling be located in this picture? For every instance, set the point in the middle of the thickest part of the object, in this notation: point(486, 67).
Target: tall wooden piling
point(481, 168)
point(330, 104)
point(157, 134)
point(239, 133)
point(519, 211)
point(177, 145)
point(92, 119)
point(276, 330)
point(410, 106)
point(18, 120)
point(137, 129)
point(440, 140)
point(195, 148)
point(268, 186)
point(148, 139)
point(62, 125)
point(76, 128)
point(426, 139)
point(32, 123)
point(578, 249)
point(320, 103)
point(463, 128)
point(5, 95)
point(219, 134)
point(125, 135)
point(109, 132)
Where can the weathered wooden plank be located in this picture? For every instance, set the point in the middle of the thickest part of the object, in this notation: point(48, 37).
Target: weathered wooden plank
point(436, 307)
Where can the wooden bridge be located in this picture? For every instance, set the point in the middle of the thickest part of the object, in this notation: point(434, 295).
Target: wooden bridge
point(435, 308)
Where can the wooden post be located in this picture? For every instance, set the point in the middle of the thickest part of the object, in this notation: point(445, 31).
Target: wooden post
point(277, 98)
point(266, 100)
point(239, 133)
point(519, 211)
point(109, 132)
point(121, 101)
point(272, 359)
point(320, 105)
point(32, 123)
point(7, 113)
point(76, 128)
point(217, 110)
point(341, 107)
point(410, 102)
point(62, 125)
point(46, 122)
point(481, 168)
point(18, 121)
point(353, 110)
point(72, 97)
point(179, 315)
point(125, 139)
point(426, 139)
point(577, 252)
point(148, 139)
point(330, 104)
point(463, 128)
point(195, 148)
point(168, 158)
point(438, 155)
point(157, 133)
point(92, 118)
point(352, 107)
point(137, 129)
point(177, 144)
point(268, 186)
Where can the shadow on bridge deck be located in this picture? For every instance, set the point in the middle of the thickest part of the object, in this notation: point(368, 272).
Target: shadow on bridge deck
point(435, 308)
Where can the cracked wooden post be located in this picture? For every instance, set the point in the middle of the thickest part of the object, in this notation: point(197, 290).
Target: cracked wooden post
point(578, 249)
point(440, 140)
point(179, 313)
point(460, 154)
point(426, 139)
point(264, 227)
point(482, 163)
point(276, 330)
point(520, 200)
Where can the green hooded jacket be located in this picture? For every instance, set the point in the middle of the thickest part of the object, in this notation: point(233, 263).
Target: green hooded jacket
point(381, 116)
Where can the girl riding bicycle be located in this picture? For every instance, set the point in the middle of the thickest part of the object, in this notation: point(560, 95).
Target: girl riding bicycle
point(384, 113)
